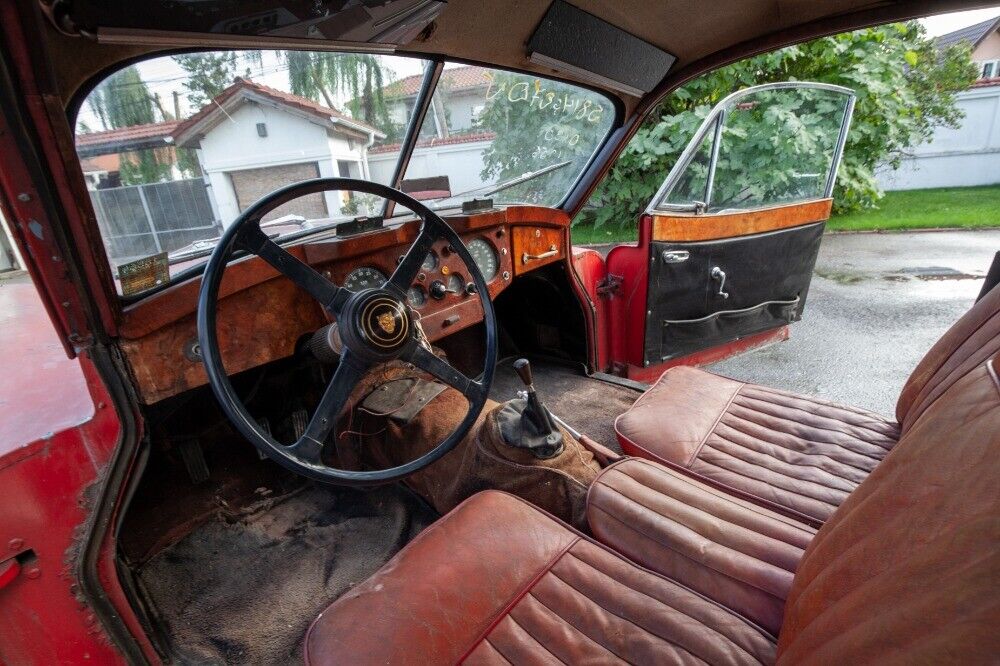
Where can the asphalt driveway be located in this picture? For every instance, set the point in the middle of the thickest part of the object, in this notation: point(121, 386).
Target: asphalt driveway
point(877, 303)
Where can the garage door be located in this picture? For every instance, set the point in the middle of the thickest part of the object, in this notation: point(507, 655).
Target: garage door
point(252, 184)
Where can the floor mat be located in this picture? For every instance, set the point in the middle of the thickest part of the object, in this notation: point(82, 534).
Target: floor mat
point(589, 406)
point(245, 592)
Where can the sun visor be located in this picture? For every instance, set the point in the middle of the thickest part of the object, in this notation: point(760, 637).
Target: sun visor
point(381, 22)
point(592, 50)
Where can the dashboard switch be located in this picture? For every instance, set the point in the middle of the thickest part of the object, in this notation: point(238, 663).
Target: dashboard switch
point(437, 289)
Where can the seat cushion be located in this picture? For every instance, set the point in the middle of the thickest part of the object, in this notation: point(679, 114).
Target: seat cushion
point(794, 454)
point(498, 581)
point(731, 550)
point(908, 570)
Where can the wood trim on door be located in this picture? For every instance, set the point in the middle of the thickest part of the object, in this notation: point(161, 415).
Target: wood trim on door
point(691, 227)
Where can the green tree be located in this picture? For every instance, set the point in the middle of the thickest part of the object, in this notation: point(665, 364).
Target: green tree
point(124, 100)
point(905, 88)
point(538, 123)
point(359, 77)
point(208, 74)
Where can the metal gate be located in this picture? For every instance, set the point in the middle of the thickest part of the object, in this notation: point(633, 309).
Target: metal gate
point(139, 220)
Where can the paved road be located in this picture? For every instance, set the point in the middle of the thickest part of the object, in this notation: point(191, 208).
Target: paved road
point(877, 303)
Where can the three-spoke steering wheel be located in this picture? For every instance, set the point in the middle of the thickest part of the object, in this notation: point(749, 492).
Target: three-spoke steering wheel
point(375, 325)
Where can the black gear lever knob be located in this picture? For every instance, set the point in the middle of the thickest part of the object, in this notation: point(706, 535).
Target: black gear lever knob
point(522, 367)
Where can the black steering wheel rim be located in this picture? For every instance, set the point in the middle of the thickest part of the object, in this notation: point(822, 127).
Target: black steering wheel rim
point(303, 457)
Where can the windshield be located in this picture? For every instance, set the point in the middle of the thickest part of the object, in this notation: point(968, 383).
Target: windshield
point(174, 148)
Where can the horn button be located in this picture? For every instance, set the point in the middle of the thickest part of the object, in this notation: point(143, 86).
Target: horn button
point(381, 325)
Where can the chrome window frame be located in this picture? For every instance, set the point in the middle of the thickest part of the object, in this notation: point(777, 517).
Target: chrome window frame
point(716, 118)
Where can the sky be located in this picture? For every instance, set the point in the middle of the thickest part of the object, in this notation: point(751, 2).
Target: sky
point(945, 23)
point(163, 76)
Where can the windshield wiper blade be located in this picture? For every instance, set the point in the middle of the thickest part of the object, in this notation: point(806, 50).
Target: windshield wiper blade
point(507, 184)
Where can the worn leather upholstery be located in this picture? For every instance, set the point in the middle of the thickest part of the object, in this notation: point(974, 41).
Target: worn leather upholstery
point(908, 569)
point(795, 454)
point(728, 549)
point(798, 455)
point(497, 581)
point(970, 342)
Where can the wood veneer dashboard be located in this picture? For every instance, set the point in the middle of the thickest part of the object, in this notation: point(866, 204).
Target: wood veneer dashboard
point(262, 314)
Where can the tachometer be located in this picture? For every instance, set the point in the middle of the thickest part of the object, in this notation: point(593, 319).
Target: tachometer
point(364, 277)
point(485, 257)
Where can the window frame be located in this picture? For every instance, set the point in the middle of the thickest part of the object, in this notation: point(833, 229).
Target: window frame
point(434, 66)
point(714, 122)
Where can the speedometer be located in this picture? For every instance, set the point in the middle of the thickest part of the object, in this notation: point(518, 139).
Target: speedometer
point(364, 277)
point(485, 257)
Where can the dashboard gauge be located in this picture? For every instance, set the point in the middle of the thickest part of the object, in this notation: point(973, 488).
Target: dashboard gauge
point(416, 297)
point(430, 262)
point(455, 284)
point(364, 277)
point(485, 257)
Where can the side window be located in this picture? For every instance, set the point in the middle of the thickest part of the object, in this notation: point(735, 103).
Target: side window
point(765, 146)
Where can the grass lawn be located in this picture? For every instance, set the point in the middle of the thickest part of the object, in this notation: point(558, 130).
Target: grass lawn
point(961, 207)
point(947, 207)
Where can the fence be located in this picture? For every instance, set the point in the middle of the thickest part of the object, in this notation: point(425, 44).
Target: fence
point(141, 220)
point(962, 157)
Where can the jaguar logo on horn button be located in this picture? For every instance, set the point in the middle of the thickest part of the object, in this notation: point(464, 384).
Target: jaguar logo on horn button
point(388, 322)
point(384, 322)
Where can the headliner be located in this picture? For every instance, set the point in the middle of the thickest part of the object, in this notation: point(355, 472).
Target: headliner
point(701, 34)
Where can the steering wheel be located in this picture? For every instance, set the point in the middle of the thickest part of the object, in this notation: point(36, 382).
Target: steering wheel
point(375, 325)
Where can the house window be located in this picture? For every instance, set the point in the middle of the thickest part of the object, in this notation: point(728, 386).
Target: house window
point(991, 68)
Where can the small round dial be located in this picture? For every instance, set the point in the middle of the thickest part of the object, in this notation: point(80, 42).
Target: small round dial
point(430, 262)
point(364, 277)
point(416, 297)
point(455, 284)
point(485, 257)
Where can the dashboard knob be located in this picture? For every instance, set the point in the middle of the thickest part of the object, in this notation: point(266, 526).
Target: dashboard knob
point(437, 289)
point(470, 288)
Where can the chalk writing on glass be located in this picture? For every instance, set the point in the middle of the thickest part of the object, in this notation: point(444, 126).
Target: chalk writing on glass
point(561, 104)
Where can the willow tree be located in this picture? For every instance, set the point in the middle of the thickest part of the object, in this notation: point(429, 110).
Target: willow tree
point(124, 100)
point(358, 77)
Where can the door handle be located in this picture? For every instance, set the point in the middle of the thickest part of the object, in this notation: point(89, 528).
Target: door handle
point(720, 276)
point(674, 256)
point(525, 257)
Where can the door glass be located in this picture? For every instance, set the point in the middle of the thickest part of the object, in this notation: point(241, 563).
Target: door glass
point(777, 145)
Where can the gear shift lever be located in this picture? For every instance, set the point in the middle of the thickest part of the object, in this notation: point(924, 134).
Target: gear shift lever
point(527, 423)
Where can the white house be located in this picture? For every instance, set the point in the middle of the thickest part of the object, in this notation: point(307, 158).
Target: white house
point(449, 142)
point(252, 139)
point(970, 154)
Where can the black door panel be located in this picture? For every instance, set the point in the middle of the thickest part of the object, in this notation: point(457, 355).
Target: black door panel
point(766, 278)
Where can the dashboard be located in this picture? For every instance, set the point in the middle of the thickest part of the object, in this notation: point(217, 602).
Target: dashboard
point(261, 314)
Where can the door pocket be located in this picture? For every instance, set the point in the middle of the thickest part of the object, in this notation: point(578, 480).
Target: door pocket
point(727, 324)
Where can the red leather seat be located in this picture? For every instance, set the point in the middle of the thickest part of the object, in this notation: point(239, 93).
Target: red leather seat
point(791, 453)
point(718, 545)
point(905, 571)
point(498, 581)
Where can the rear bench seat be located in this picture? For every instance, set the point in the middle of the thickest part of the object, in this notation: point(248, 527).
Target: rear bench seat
point(796, 455)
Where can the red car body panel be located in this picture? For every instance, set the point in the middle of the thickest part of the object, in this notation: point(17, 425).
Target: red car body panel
point(57, 435)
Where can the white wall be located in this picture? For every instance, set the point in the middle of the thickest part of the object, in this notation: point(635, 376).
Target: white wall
point(960, 157)
point(461, 162)
point(234, 144)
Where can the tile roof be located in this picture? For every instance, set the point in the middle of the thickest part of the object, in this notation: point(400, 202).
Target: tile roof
point(986, 83)
point(972, 34)
point(125, 135)
point(435, 141)
point(288, 99)
point(456, 78)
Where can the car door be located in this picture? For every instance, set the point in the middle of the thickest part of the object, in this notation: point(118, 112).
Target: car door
point(728, 244)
